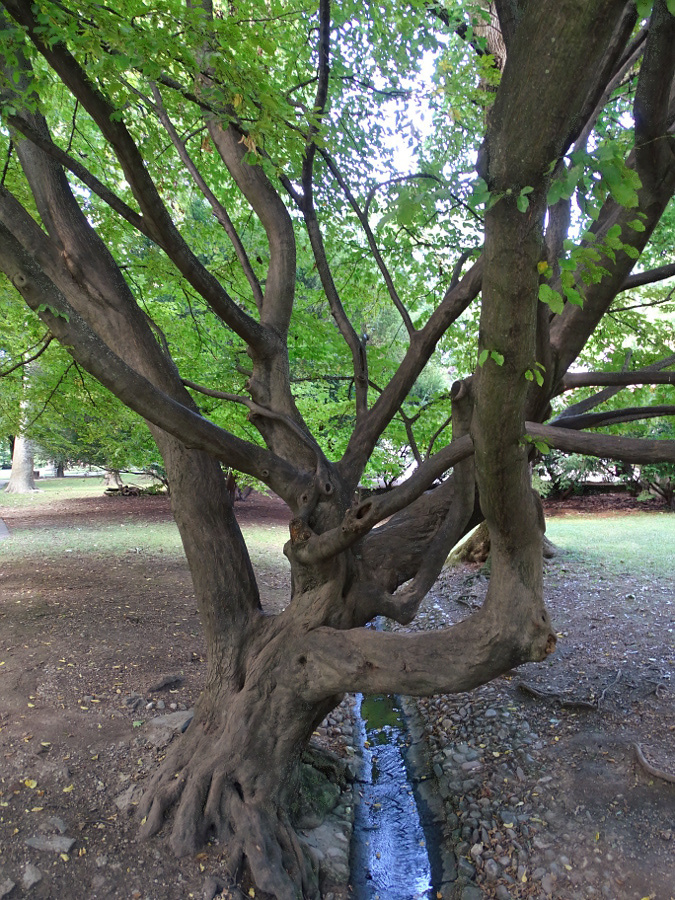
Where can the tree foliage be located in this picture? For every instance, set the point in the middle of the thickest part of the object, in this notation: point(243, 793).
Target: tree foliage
point(232, 216)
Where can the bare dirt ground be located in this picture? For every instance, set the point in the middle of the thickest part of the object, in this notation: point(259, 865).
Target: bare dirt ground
point(85, 647)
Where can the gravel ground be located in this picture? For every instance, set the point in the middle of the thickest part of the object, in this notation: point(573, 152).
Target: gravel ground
point(542, 793)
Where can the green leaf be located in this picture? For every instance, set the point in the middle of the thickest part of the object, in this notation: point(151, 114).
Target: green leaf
point(574, 296)
point(551, 298)
point(636, 224)
point(522, 203)
point(483, 357)
point(555, 192)
point(481, 192)
point(497, 357)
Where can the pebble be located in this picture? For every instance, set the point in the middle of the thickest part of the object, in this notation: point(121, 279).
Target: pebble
point(472, 892)
point(31, 876)
point(57, 843)
point(465, 868)
point(492, 870)
point(6, 887)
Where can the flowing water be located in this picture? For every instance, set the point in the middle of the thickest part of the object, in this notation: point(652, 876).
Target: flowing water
point(389, 848)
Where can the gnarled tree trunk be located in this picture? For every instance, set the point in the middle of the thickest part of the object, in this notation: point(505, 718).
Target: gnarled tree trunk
point(272, 679)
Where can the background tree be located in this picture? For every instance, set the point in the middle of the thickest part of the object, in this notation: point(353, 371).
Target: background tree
point(279, 125)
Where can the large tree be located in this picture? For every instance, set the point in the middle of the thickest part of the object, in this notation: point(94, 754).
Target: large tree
point(116, 118)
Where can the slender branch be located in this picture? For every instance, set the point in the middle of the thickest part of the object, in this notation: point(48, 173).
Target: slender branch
point(651, 303)
point(258, 410)
point(5, 168)
point(598, 398)
point(24, 362)
point(109, 197)
point(219, 210)
point(372, 243)
point(435, 436)
point(345, 327)
point(320, 98)
point(625, 64)
point(457, 270)
point(614, 416)
point(397, 179)
point(219, 395)
point(422, 345)
point(651, 276)
point(410, 434)
point(58, 384)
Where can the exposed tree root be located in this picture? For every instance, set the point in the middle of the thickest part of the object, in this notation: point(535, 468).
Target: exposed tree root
point(553, 697)
point(199, 784)
point(648, 767)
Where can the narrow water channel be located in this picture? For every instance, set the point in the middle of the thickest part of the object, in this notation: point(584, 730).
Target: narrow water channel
point(389, 848)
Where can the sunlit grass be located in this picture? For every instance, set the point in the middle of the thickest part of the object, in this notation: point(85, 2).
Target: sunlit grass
point(636, 542)
point(129, 535)
point(50, 490)
point(621, 542)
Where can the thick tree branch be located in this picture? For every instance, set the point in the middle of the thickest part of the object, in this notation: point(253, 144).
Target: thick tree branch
point(654, 161)
point(137, 392)
point(158, 220)
point(274, 217)
point(407, 600)
point(595, 400)
point(573, 380)
point(447, 660)
point(632, 450)
point(363, 517)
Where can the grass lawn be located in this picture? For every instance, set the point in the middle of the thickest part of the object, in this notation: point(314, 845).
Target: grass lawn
point(134, 535)
point(641, 542)
point(635, 542)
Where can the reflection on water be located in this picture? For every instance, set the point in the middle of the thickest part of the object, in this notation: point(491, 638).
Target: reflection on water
point(389, 856)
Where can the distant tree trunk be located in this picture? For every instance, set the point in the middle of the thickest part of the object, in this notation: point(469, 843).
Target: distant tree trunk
point(59, 470)
point(21, 481)
point(112, 479)
point(476, 548)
